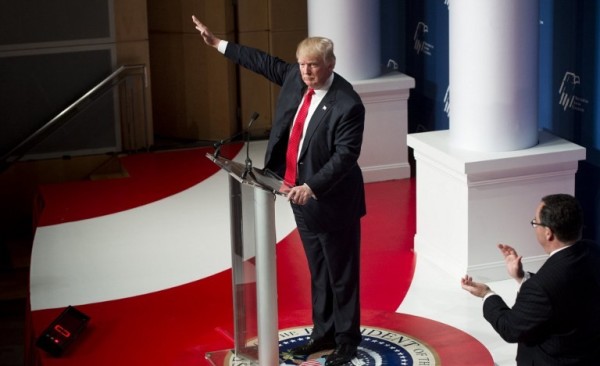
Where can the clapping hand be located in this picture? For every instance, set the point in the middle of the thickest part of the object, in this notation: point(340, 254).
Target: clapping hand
point(475, 288)
point(514, 266)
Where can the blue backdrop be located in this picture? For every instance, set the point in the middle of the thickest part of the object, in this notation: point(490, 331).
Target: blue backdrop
point(415, 41)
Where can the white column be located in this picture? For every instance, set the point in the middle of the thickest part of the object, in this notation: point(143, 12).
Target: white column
point(353, 26)
point(493, 74)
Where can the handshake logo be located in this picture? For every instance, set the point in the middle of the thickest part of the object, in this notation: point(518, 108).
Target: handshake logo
point(568, 88)
point(447, 101)
point(421, 46)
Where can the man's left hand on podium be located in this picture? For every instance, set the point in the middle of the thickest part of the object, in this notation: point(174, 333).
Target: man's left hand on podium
point(300, 195)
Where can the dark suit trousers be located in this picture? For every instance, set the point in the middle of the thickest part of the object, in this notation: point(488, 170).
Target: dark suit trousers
point(334, 264)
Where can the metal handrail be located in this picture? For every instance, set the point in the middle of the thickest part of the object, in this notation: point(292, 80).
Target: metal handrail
point(21, 149)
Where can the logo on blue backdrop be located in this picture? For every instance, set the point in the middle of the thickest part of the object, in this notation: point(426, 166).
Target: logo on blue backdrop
point(391, 64)
point(447, 102)
point(421, 45)
point(569, 88)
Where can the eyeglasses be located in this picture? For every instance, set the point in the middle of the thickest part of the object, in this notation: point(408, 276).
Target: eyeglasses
point(536, 224)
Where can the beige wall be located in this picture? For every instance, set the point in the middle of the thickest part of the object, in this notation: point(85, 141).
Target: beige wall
point(198, 94)
point(133, 48)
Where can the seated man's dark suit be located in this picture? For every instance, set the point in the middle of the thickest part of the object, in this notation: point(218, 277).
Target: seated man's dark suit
point(556, 315)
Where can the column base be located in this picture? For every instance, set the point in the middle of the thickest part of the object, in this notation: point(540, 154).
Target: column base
point(384, 153)
point(469, 201)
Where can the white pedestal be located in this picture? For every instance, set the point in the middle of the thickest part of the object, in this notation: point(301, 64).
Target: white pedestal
point(469, 201)
point(384, 154)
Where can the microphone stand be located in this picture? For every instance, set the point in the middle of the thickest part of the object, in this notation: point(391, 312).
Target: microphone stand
point(217, 145)
point(248, 160)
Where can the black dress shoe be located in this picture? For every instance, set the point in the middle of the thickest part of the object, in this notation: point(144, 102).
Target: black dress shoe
point(342, 354)
point(312, 346)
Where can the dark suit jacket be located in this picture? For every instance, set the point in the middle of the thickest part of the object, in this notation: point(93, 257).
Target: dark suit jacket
point(327, 161)
point(556, 315)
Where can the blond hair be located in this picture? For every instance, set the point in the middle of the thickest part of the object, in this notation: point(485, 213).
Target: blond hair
point(320, 47)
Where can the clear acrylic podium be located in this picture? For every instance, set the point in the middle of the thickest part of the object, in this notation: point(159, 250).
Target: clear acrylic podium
point(252, 194)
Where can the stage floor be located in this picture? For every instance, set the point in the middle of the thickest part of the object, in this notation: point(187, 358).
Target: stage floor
point(148, 258)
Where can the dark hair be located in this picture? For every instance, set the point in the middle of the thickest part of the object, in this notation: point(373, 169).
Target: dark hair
point(562, 213)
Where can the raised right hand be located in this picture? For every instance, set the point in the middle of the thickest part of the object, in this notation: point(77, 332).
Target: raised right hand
point(514, 266)
point(206, 34)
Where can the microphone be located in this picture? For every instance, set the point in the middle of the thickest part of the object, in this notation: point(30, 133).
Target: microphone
point(248, 160)
point(217, 145)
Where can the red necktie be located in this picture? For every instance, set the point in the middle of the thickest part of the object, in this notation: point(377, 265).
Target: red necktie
point(291, 157)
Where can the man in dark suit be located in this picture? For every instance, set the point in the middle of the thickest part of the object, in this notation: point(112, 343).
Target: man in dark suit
point(556, 315)
point(325, 184)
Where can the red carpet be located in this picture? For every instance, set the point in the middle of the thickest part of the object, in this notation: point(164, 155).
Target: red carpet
point(152, 176)
point(179, 325)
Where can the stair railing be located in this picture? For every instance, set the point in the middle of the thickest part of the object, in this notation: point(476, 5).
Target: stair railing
point(130, 123)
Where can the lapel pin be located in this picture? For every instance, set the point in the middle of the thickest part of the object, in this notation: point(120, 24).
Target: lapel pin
point(324, 107)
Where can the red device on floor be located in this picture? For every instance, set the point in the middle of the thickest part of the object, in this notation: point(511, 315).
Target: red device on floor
point(63, 331)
